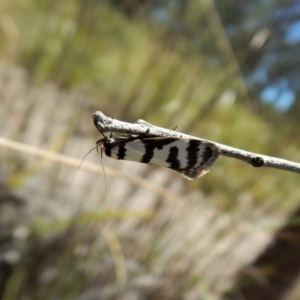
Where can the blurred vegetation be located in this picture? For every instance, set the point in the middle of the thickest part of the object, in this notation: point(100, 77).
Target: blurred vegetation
point(131, 59)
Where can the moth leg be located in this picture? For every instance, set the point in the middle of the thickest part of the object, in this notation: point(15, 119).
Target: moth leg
point(100, 141)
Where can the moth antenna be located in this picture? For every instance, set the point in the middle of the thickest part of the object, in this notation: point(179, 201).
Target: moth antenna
point(96, 147)
point(105, 181)
point(175, 128)
point(99, 144)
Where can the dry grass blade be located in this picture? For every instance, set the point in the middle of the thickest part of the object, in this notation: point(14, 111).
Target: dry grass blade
point(74, 162)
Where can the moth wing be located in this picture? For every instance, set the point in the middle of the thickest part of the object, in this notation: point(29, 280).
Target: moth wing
point(126, 150)
point(207, 156)
point(190, 158)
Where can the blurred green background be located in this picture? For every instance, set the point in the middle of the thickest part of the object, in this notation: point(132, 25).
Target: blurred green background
point(224, 71)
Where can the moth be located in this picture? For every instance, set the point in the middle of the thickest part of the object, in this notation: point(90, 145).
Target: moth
point(191, 158)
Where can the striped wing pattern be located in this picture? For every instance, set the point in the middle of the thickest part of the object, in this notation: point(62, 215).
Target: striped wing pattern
point(189, 157)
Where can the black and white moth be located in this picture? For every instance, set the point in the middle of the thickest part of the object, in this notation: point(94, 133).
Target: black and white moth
point(191, 158)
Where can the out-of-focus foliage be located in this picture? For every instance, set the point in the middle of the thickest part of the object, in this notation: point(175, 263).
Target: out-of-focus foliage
point(264, 35)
